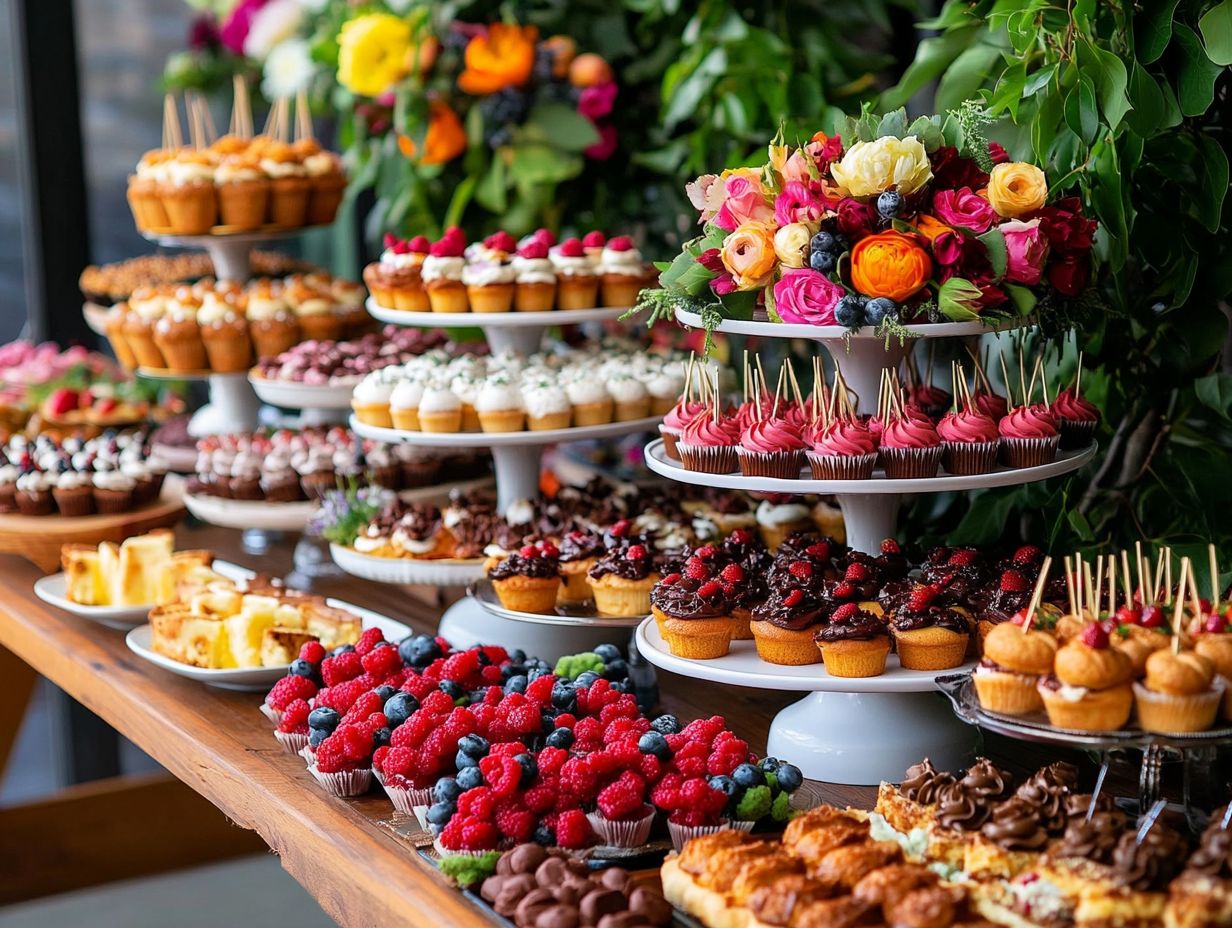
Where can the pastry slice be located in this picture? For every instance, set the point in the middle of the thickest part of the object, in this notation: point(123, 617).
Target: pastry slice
point(141, 561)
point(246, 630)
point(189, 638)
point(281, 645)
point(83, 577)
point(334, 627)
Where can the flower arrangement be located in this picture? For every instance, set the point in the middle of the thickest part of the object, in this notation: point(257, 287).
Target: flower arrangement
point(907, 223)
point(438, 115)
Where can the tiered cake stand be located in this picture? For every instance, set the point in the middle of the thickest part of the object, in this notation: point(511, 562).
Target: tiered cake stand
point(847, 730)
point(517, 457)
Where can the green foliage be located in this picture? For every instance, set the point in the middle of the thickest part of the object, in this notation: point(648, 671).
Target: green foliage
point(1125, 104)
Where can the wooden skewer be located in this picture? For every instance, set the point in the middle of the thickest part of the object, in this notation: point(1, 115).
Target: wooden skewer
point(1099, 584)
point(795, 384)
point(746, 375)
point(1005, 375)
point(1126, 583)
point(303, 115)
point(1038, 593)
point(1022, 378)
point(1142, 590)
point(1159, 575)
point(1178, 607)
point(778, 389)
point(1167, 556)
point(1214, 568)
point(1112, 590)
point(1069, 585)
point(1034, 375)
point(1090, 602)
point(1195, 601)
point(1078, 374)
point(761, 374)
point(171, 122)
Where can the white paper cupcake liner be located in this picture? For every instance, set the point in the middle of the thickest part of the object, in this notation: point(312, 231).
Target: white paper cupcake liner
point(292, 742)
point(405, 800)
point(739, 825)
point(271, 713)
point(343, 783)
point(448, 852)
point(622, 833)
point(682, 834)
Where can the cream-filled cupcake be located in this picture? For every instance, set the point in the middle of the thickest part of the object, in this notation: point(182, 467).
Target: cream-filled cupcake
point(466, 387)
point(489, 286)
point(621, 270)
point(577, 282)
point(440, 410)
point(630, 398)
point(404, 403)
point(371, 400)
point(547, 406)
point(592, 403)
point(499, 406)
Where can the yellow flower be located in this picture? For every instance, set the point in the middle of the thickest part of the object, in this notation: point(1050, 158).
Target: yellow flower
point(791, 243)
point(372, 53)
point(748, 254)
point(868, 168)
point(1016, 188)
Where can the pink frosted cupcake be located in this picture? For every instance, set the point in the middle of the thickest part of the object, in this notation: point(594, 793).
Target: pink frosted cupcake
point(969, 440)
point(910, 447)
point(993, 405)
point(1077, 418)
point(933, 401)
point(709, 446)
point(1029, 436)
point(771, 448)
point(674, 422)
point(846, 450)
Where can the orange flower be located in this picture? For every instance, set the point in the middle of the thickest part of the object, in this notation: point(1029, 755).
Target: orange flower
point(444, 140)
point(563, 50)
point(889, 264)
point(502, 57)
point(930, 227)
point(588, 70)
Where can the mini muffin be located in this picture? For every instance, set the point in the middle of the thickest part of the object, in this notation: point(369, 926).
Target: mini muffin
point(784, 625)
point(500, 407)
point(579, 551)
point(1089, 688)
point(622, 579)
point(693, 615)
point(854, 643)
point(1007, 679)
point(932, 638)
point(1216, 646)
point(1179, 693)
point(528, 579)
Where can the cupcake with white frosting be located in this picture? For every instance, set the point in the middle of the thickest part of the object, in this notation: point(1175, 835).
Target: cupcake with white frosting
point(621, 271)
point(440, 409)
point(534, 278)
point(370, 400)
point(630, 398)
point(404, 403)
point(592, 403)
point(547, 406)
point(577, 282)
point(499, 406)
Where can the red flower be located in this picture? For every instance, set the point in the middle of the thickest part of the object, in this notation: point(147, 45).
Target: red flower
point(1065, 226)
point(606, 146)
point(856, 219)
point(1071, 273)
point(950, 170)
point(997, 152)
point(596, 102)
point(712, 260)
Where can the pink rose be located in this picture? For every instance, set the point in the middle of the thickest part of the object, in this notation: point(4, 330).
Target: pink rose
point(234, 31)
point(744, 201)
point(964, 207)
point(806, 297)
point(1026, 249)
point(596, 102)
point(818, 152)
point(606, 146)
point(797, 203)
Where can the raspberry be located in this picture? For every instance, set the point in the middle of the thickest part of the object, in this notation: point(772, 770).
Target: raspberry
point(636, 552)
point(479, 802)
point(697, 795)
point(793, 598)
point(566, 720)
point(539, 799)
point(540, 689)
point(379, 756)
point(330, 756)
point(381, 662)
point(844, 590)
point(695, 569)
point(964, 557)
point(377, 720)
point(1027, 554)
point(525, 719)
point(624, 706)
point(819, 551)
point(845, 613)
point(398, 762)
point(437, 702)
point(588, 729)
point(313, 652)
point(691, 819)
point(461, 667)
point(501, 773)
point(704, 730)
point(920, 598)
point(572, 829)
point(666, 793)
point(1014, 582)
point(547, 549)
point(366, 704)
point(494, 653)
point(415, 729)
point(289, 689)
point(577, 778)
point(515, 824)
point(856, 572)
point(508, 749)
point(671, 579)
point(732, 573)
point(651, 768)
point(368, 640)
point(890, 546)
point(551, 760)
point(623, 797)
point(801, 570)
point(709, 588)
point(479, 836)
point(294, 717)
point(340, 668)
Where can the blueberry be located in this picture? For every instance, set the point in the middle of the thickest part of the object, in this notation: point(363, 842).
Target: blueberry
point(381, 737)
point(484, 660)
point(654, 743)
point(534, 673)
point(789, 777)
point(616, 670)
point(316, 736)
point(890, 204)
point(849, 312)
point(878, 309)
point(823, 261)
point(564, 696)
point(303, 669)
point(560, 738)
point(469, 778)
point(324, 718)
point(419, 650)
point(609, 652)
point(544, 836)
point(451, 689)
point(516, 684)
point(512, 670)
point(398, 708)
point(530, 769)
point(586, 678)
point(517, 656)
point(462, 761)
point(446, 790)
point(725, 785)
point(439, 813)
point(385, 692)
point(748, 775)
point(342, 649)
point(769, 764)
point(666, 725)
point(822, 241)
point(547, 722)
point(474, 745)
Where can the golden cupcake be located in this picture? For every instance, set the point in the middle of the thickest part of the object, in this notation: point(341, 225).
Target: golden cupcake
point(243, 192)
point(1215, 644)
point(1007, 678)
point(178, 337)
point(1179, 693)
point(784, 625)
point(929, 638)
point(188, 193)
point(528, 579)
point(224, 331)
point(289, 187)
point(272, 324)
point(579, 551)
point(622, 579)
point(315, 310)
point(1089, 689)
point(326, 180)
point(854, 643)
point(693, 615)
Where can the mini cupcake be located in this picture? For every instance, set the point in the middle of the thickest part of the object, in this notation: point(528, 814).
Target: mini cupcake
point(708, 445)
point(178, 337)
point(9, 473)
point(1089, 688)
point(929, 637)
point(770, 448)
point(1076, 418)
point(143, 314)
point(404, 404)
point(779, 516)
point(969, 442)
point(1180, 693)
point(371, 400)
point(289, 185)
point(74, 493)
point(674, 421)
point(621, 271)
point(630, 398)
point(579, 551)
point(534, 278)
point(440, 410)
point(593, 243)
point(528, 580)
point(622, 579)
point(577, 283)
point(910, 448)
point(547, 406)
point(1215, 644)
point(224, 332)
point(489, 286)
point(846, 450)
point(442, 273)
point(854, 643)
point(500, 407)
point(591, 401)
point(693, 615)
point(1029, 436)
point(315, 311)
point(272, 324)
point(34, 493)
point(113, 491)
point(784, 625)
point(664, 386)
point(993, 405)
point(1007, 677)
point(243, 192)
point(395, 280)
point(188, 194)
point(326, 181)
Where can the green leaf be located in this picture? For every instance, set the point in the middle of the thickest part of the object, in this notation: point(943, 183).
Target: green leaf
point(1110, 80)
point(1039, 80)
point(739, 304)
point(1213, 165)
point(994, 243)
point(1078, 522)
point(1215, 392)
point(968, 73)
point(458, 202)
point(1081, 114)
point(1197, 73)
point(1148, 102)
point(560, 126)
point(932, 57)
point(1022, 298)
point(685, 96)
point(1044, 124)
point(665, 160)
point(1153, 30)
point(686, 275)
point(492, 192)
point(1216, 28)
point(542, 164)
point(958, 300)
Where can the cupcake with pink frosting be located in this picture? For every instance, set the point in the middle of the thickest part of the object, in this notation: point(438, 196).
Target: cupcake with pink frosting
point(1029, 436)
point(846, 450)
point(708, 445)
point(969, 442)
point(1077, 418)
point(674, 422)
point(910, 447)
point(771, 448)
point(993, 405)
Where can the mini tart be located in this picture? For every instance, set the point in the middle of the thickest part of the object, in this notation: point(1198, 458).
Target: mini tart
point(1082, 709)
point(1179, 693)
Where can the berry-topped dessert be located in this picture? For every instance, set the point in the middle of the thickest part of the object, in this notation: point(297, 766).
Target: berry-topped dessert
point(528, 579)
point(693, 608)
point(928, 635)
point(1015, 660)
point(1089, 688)
point(621, 580)
point(853, 643)
point(783, 625)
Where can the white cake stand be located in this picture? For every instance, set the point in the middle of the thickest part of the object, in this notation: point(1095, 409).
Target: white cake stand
point(232, 407)
point(229, 252)
point(318, 403)
point(250, 513)
point(521, 332)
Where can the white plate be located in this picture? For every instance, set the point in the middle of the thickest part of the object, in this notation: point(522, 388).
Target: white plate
point(768, 329)
point(53, 590)
point(443, 572)
point(742, 667)
point(292, 395)
point(513, 320)
point(250, 513)
point(525, 438)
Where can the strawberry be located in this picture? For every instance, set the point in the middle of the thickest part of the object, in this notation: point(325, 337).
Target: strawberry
point(740, 537)
point(670, 580)
point(920, 598)
point(705, 552)
point(1014, 582)
point(963, 557)
point(1152, 617)
point(856, 572)
point(105, 405)
point(890, 546)
point(819, 550)
point(1027, 554)
point(793, 598)
point(547, 549)
point(527, 551)
point(621, 528)
point(801, 570)
point(732, 573)
point(1127, 615)
point(845, 613)
point(636, 552)
point(1095, 636)
point(62, 401)
point(843, 590)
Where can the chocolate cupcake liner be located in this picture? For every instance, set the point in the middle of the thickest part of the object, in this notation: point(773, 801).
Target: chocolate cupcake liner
point(841, 466)
point(670, 438)
point(1029, 452)
point(682, 834)
point(963, 458)
point(622, 833)
point(274, 715)
point(292, 741)
point(784, 465)
point(1076, 433)
point(405, 799)
point(910, 463)
point(707, 459)
point(343, 783)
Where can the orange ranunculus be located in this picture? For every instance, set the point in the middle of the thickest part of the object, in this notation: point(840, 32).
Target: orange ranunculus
point(588, 70)
point(889, 264)
point(444, 140)
point(748, 254)
point(930, 227)
point(502, 57)
point(563, 50)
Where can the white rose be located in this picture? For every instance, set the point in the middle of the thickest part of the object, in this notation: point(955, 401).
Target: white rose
point(272, 23)
point(288, 69)
point(868, 168)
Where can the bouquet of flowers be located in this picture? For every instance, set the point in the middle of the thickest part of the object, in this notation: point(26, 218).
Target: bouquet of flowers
point(903, 223)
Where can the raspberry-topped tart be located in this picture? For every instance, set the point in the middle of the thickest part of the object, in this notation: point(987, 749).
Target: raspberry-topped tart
point(693, 611)
point(929, 636)
point(528, 579)
point(622, 579)
point(854, 643)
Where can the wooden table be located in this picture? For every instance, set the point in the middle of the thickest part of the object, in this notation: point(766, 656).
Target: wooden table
point(219, 745)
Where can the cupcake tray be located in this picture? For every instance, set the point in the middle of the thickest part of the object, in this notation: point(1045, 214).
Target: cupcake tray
point(582, 614)
point(498, 440)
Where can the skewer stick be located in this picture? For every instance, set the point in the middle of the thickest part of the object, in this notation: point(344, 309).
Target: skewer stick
point(1112, 590)
point(1044, 383)
point(1159, 574)
point(1089, 600)
point(1078, 374)
point(1069, 585)
point(761, 374)
point(1195, 601)
point(1178, 607)
point(171, 122)
point(1005, 375)
point(1167, 555)
point(778, 389)
point(795, 384)
point(1099, 584)
point(1126, 584)
point(1034, 374)
point(1022, 378)
point(1099, 785)
point(1149, 822)
point(1142, 591)
point(1214, 568)
point(303, 115)
point(1038, 593)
